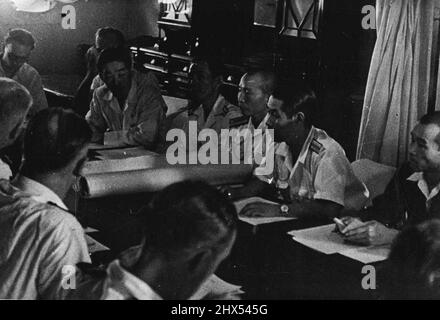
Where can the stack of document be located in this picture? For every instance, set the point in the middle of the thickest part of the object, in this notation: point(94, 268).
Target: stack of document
point(325, 240)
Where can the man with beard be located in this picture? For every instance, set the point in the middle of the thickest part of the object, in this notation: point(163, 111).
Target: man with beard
point(411, 197)
point(309, 166)
point(129, 102)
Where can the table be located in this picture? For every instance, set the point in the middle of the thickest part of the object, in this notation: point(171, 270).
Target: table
point(265, 260)
point(270, 265)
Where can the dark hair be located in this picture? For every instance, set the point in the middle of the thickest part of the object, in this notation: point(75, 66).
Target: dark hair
point(20, 36)
point(297, 97)
point(107, 31)
point(114, 54)
point(431, 118)
point(14, 98)
point(268, 79)
point(414, 258)
point(187, 215)
point(53, 138)
point(214, 63)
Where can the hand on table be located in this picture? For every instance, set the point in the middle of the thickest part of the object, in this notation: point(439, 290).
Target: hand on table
point(260, 209)
point(367, 233)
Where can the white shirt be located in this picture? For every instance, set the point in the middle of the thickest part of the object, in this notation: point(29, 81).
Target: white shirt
point(321, 171)
point(222, 111)
point(122, 285)
point(254, 143)
point(37, 240)
point(5, 171)
point(31, 79)
point(143, 111)
point(423, 187)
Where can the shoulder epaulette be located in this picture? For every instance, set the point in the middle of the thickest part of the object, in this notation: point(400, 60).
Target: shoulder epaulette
point(316, 146)
point(239, 121)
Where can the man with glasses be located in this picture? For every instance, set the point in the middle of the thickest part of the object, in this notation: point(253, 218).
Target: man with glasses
point(18, 45)
point(129, 104)
point(105, 38)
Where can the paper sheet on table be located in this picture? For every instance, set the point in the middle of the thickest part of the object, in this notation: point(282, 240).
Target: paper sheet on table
point(124, 153)
point(217, 289)
point(255, 221)
point(115, 137)
point(90, 230)
point(368, 254)
point(118, 165)
point(321, 239)
point(98, 146)
point(324, 240)
point(95, 246)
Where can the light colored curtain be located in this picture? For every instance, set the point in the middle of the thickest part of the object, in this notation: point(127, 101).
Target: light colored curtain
point(398, 83)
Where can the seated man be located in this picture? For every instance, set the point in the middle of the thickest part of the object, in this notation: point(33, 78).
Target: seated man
point(207, 107)
point(310, 168)
point(105, 38)
point(18, 46)
point(129, 102)
point(412, 195)
point(38, 236)
point(189, 230)
point(15, 102)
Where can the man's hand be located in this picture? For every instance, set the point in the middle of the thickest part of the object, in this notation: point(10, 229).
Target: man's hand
point(260, 209)
point(367, 233)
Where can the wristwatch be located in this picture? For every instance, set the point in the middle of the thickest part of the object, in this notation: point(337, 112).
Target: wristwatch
point(284, 209)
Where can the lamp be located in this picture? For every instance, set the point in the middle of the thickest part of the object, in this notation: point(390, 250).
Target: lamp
point(37, 5)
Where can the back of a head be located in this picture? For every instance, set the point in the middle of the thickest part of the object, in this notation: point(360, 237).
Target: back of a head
point(15, 101)
point(111, 36)
point(431, 118)
point(188, 215)
point(114, 54)
point(297, 97)
point(20, 36)
point(53, 139)
point(413, 266)
point(214, 63)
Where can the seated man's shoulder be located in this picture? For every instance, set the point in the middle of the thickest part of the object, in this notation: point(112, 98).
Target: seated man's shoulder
point(52, 217)
point(238, 122)
point(145, 79)
point(28, 70)
point(322, 144)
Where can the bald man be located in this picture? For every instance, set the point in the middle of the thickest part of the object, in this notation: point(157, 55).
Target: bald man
point(15, 101)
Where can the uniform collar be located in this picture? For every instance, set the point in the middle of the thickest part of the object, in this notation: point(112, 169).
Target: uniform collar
point(38, 191)
point(262, 124)
point(283, 150)
point(125, 285)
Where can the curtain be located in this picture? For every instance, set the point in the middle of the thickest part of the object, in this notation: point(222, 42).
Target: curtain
point(397, 89)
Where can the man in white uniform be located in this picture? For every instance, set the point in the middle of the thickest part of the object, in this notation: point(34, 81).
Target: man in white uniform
point(40, 239)
point(309, 167)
